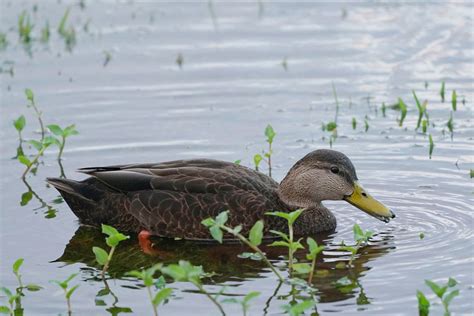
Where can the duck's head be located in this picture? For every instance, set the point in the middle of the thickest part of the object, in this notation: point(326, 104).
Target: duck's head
point(328, 175)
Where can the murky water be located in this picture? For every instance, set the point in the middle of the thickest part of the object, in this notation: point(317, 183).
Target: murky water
point(142, 107)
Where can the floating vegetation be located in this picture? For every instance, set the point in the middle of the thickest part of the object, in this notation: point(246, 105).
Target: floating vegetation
point(431, 145)
point(25, 27)
point(442, 91)
point(441, 291)
point(103, 257)
point(68, 291)
point(163, 293)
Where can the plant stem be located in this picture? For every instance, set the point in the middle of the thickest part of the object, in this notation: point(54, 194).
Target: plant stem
point(61, 147)
point(35, 160)
point(155, 311)
point(201, 288)
point(290, 252)
point(254, 248)
point(313, 264)
point(270, 159)
point(68, 301)
point(38, 114)
point(106, 265)
point(354, 253)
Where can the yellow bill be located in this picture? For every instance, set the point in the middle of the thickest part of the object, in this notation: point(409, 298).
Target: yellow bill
point(365, 202)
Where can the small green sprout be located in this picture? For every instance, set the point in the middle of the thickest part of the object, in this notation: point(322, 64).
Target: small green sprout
point(403, 111)
point(471, 173)
point(270, 134)
point(68, 291)
point(354, 123)
point(217, 226)
point(180, 60)
point(25, 27)
point(299, 308)
point(330, 127)
point(288, 240)
point(384, 109)
point(442, 91)
point(244, 302)
point(185, 271)
point(12, 298)
point(421, 110)
point(424, 126)
point(238, 161)
point(454, 101)
point(361, 238)
point(314, 250)
point(441, 291)
point(19, 125)
point(41, 147)
point(31, 98)
point(114, 238)
point(257, 159)
point(163, 293)
point(107, 58)
point(450, 125)
point(62, 23)
point(366, 124)
point(68, 34)
point(63, 134)
point(45, 33)
point(432, 145)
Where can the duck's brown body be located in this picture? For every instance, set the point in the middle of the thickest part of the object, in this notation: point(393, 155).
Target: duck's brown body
point(171, 199)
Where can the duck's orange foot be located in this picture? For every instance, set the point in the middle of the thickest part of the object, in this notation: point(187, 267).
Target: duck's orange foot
point(145, 243)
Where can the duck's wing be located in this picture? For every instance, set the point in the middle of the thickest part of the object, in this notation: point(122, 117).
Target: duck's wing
point(171, 199)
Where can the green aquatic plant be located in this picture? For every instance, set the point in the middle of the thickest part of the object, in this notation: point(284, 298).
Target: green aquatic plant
point(114, 238)
point(147, 276)
point(68, 291)
point(40, 147)
point(45, 33)
point(185, 271)
point(180, 60)
point(25, 27)
point(217, 228)
point(454, 100)
point(442, 292)
point(288, 239)
point(31, 98)
point(366, 124)
point(67, 33)
point(63, 134)
point(354, 123)
point(450, 125)
point(270, 134)
point(421, 109)
point(334, 92)
point(257, 159)
point(471, 173)
point(424, 126)
point(284, 63)
point(298, 308)
point(384, 109)
point(107, 58)
point(432, 145)
point(442, 91)
point(19, 125)
point(403, 111)
point(361, 238)
point(244, 302)
point(312, 255)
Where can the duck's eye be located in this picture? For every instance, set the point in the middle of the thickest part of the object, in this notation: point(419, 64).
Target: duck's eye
point(334, 169)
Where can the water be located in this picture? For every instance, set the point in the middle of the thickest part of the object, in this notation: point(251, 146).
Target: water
point(142, 107)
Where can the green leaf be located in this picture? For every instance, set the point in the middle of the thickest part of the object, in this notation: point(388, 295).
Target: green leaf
point(454, 100)
point(250, 296)
point(175, 271)
point(99, 302)
point(436, 288)
point(114, 240)
point(403, 111)
point(442, 91)
point(269, 133)
point(208, 222)
point(358, 233)
point(298, 309)
point(26, 198)
point(6, 291)
point(160, 283)
point(279, 243)
point(109, 230)
point(238, 161)
point(216, 233)
point(257, 159)
point(424, 126)
point(62, 24)
point(279, 214)
point(420, 110)
point(101, 256)
point(450, 296)
point(136, 274)
point(222, 218)
point(282, 235)
point(50, 140)
point(29, 95)
point(354, 123)
point(237, 229)
point(56, 130)
point(293, 216)
point(70, 130)
point(423, 304)
point(314, 249)
point(256, 233)
point(331, 126)
point(431, 145)
point(24, 160)
point(33, 287)
point(161, 296)
point(71, 291)
point(302, 268)
point(19, 123)
point(348, 248)
point(250, 255)
point(452, 282)
point(38, 145)
point(69, 278)
point(5, 310)
point(17, 264)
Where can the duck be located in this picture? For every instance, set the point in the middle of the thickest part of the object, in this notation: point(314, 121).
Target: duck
point(171, 199)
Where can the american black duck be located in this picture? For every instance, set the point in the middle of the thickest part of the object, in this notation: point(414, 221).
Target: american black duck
point(170, 199)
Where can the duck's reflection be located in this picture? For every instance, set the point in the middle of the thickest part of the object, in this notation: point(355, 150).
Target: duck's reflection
point(332, 281)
